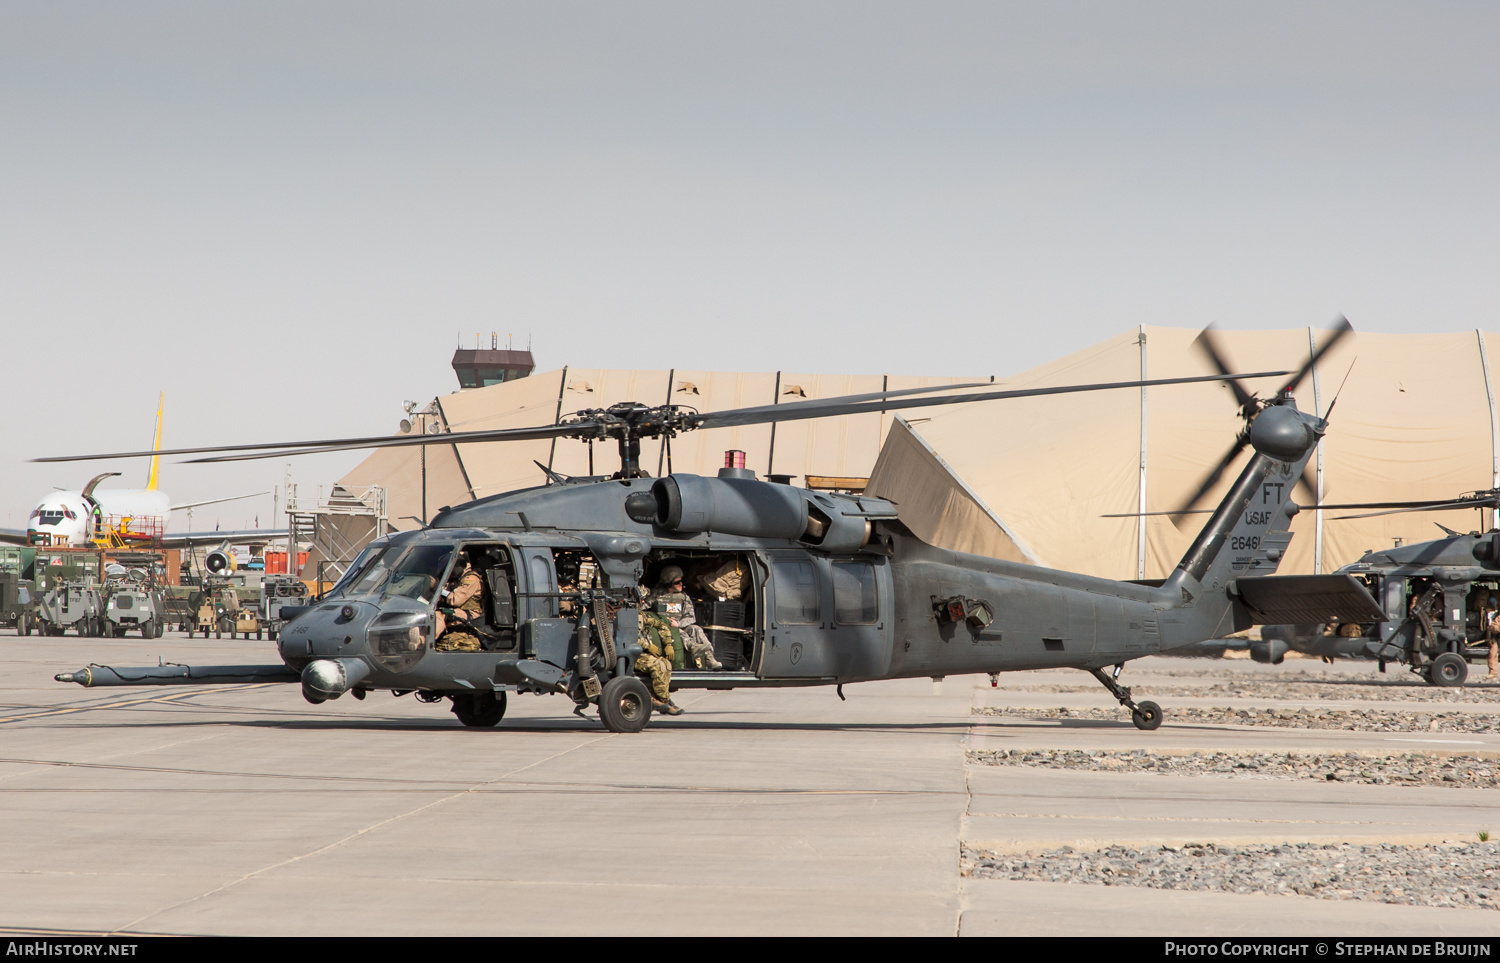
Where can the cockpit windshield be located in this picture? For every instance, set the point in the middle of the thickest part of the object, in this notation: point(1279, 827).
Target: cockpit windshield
point(418, 573)
point(357, 569)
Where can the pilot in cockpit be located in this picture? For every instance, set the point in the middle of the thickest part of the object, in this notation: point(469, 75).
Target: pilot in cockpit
point(460, 603)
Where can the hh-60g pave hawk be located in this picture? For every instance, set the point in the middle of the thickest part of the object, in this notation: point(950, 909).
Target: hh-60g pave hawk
point(834, 588)
point(1434, 594)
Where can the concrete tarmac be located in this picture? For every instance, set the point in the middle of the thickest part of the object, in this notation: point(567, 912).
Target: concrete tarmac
point(244, 810)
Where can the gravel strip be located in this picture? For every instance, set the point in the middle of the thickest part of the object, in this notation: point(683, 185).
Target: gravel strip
point(1405, 769)
point(1448, 874)
point(1359, 720)
point(1309, 691)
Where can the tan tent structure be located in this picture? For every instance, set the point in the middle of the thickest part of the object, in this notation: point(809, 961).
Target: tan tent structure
point(1030, 479)
point(1415, 419)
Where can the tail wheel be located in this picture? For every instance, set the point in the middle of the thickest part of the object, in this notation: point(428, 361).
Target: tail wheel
point(1146, 715)
point(625, 704)
point(1448, 670)
point(480, 710)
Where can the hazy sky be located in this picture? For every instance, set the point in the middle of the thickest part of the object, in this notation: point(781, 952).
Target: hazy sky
point(284, 214)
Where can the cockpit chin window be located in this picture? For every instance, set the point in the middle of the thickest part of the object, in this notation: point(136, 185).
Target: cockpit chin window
point(398, 640)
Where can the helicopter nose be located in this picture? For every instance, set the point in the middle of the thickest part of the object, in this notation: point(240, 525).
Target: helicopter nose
point(325, 679)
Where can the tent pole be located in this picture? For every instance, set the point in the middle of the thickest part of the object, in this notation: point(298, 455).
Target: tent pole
point(1489, 393)
point(1312, 347)
point(1140, 519)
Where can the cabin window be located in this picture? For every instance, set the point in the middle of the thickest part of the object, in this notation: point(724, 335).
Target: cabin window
point(540, 569)
point(796, 590)
point(854, 593)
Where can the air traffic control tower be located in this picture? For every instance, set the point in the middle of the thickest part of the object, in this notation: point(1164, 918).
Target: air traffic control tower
point(478, 368)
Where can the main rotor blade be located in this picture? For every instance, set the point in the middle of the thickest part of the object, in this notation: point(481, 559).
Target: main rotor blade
point(1440, 507)
point(834, 407)
point(279, 449)
point(1485, 501)
point(1447, 504)
point(1208, 343)
point(1340, 328)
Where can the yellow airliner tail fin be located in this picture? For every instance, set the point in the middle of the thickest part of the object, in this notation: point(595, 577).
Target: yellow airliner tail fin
point(156, 445)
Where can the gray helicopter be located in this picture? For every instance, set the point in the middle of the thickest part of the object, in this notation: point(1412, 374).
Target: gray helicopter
point(1433, 596)
point(832, 588)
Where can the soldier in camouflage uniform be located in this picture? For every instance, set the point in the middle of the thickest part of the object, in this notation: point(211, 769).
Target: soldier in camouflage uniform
point(655, 661)
point(461, 603)
point(673, 604)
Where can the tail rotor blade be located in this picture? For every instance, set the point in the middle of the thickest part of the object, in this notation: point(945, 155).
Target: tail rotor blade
point(1211, 479)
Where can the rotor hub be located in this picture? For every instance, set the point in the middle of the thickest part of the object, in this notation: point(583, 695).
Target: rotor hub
point(1282, 433)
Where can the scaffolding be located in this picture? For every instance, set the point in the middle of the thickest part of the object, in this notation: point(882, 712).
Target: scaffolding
point(113, 533)
point(335, 529)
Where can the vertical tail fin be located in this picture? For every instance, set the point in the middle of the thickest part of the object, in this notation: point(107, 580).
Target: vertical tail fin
point(161, 403)
point(1248, 532)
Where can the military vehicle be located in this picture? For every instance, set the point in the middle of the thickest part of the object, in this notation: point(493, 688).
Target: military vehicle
point(71, 603)
point(18, 594)
point(277, 591)
point(219, 606)
point(836, 589)
point(132, 602)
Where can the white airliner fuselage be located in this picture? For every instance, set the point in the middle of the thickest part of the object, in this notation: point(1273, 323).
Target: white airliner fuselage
point(66, 519)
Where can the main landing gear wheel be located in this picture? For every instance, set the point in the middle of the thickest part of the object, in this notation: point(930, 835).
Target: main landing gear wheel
point(1146, 715)
point(480, 710)
point(625, 704)
point(1448, 670)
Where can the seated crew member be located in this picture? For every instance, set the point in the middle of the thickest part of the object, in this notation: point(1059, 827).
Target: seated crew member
point(655, 661)
point(459, 603)
point(671, 603)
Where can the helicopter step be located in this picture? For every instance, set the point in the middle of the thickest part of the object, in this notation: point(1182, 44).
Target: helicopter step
point(737, 680)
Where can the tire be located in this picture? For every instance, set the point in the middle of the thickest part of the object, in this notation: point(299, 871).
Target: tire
point(1448, 670)
point(625, 704)
point(23, 624)
point(148, 629)
point(258, 633)
point(272, 634)
point(480, 710)
point(1146, 715)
